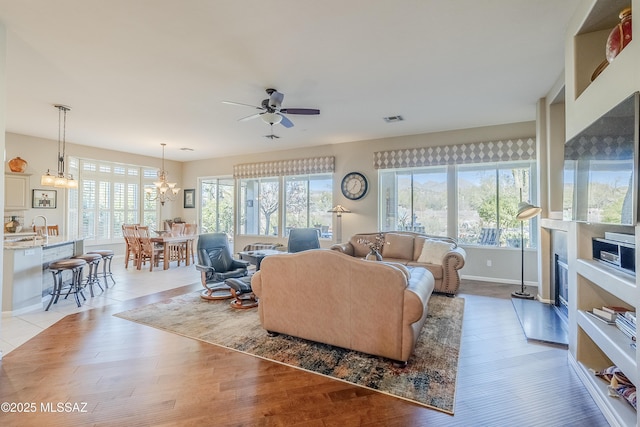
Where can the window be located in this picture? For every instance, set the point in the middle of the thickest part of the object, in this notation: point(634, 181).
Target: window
point(308, 199)
point(488, 197)
point(259, 206)
point(216, 208)
point(109, 195)
point(484, 201)
point(415, 200)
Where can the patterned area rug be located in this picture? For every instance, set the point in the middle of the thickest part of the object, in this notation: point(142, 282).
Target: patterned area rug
point(429, 378)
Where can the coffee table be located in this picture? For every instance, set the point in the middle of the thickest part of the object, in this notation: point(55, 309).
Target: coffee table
point(256, 257)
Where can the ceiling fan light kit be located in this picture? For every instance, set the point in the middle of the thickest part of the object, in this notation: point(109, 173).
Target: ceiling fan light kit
point(272, 111)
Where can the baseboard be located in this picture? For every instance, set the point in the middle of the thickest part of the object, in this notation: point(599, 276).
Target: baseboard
point(496, 280)
point(23, 310)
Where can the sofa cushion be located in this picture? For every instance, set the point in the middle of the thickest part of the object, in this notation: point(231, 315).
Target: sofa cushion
point(398, 246)
point(433, 251)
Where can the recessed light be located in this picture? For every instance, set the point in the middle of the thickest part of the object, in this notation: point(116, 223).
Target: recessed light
point(393, 119)
point(186, 149)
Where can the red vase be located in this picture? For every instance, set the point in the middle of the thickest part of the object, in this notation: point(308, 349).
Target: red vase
point(620, 36)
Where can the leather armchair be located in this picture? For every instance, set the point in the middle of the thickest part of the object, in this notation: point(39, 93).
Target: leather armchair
point(216, 264)
point(302, 239)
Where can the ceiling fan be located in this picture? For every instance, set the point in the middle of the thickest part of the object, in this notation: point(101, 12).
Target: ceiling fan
point(272, 111)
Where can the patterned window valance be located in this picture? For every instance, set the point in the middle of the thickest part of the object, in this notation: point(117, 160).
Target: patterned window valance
point(285, 167)
point(475, 152)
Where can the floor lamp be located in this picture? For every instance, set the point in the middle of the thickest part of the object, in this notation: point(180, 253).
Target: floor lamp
point(339, 210)
point(526, 211)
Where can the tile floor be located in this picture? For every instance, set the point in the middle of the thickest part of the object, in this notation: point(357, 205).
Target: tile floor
point(130, 283)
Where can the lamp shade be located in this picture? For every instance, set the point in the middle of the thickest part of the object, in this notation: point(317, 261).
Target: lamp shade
point(527, 211)
point(339, 209)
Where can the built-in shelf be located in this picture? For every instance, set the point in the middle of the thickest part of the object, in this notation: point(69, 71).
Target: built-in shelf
point(612, 280)
point(595, 345)
point(614, 409)
point(615, 344)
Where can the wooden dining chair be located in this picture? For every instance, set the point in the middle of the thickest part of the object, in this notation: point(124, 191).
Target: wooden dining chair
point(177, 250)
point(52, 230)
point(191, 230)
point(132, 250)
point(148, 251)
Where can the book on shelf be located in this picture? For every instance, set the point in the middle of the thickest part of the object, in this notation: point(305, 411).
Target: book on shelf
point(604, 314)
point(631, 315)
point(602, 319)
point(614, 309)
point(626, 326)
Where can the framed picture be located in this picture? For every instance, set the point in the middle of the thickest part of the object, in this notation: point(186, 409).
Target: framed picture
point(44, 199)
point(190, 198)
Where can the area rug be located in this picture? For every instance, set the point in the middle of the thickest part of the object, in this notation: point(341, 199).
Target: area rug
point(429, 378)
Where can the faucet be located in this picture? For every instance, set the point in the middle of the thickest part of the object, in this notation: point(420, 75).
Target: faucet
point(46, 231)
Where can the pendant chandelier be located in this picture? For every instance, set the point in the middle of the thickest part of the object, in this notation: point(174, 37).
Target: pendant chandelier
point(165, 190)
point(60, 180)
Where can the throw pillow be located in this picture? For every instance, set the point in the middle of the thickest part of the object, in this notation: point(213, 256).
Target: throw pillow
point(401, 267)
point(433, 251)
point(398, 246)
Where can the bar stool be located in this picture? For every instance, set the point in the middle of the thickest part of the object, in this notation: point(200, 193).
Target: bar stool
point(107, 256)
point(75, 287)
point(93, 261)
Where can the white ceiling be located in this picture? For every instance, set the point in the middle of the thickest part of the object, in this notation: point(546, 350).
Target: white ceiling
point(138, 73)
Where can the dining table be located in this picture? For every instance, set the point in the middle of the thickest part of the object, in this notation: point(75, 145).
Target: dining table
point(167, 239)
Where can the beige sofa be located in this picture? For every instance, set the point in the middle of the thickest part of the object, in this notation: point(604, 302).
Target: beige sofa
point(441, 256)
point(324, 296)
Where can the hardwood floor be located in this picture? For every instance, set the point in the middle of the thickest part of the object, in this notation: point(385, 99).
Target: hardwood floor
point(133, 375)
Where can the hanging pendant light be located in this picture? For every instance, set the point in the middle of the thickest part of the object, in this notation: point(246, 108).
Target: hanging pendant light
point(60, 180)
point(165, 190)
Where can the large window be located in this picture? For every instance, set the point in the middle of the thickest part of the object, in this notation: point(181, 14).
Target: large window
point(259, 206)
point(305, 202)
point(484, 201)
point(109, 195)
point(308, 199)
point(488, 197)
point(415, 200)
point(216, 205)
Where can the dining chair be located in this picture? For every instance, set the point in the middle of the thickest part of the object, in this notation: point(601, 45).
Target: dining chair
point(191, 230)
point(132, 250)
point(52, 230)
point(148, 251)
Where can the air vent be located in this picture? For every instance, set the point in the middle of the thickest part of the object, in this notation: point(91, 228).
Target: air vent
point(393, 119)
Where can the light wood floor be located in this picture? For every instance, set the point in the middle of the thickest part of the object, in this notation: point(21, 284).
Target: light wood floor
point(133, 375)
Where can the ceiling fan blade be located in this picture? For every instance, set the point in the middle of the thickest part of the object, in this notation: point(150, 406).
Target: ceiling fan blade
point(304, 111)
point(253, 116)
point(241, 104)
point(285, 121)
point(275, 98)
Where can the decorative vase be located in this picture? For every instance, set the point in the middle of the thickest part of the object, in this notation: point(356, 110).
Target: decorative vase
point(13, 226)
point(620, 36)
point(374, 255)
point(17, 164)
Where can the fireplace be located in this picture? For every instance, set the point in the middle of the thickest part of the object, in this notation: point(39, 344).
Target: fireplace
point(561, 300)
point(559, 273)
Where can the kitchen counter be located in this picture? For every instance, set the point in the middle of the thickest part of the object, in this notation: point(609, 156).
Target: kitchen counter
point(18, 241)
point(26, 259)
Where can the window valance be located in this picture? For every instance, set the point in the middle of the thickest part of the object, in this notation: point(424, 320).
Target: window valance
point(306, 166)
point(475, 152)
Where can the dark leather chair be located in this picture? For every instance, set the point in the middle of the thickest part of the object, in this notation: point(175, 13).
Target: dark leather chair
point(302, 239)
point(216, 265)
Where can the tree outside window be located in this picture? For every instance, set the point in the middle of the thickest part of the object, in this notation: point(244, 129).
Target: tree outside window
point(216, 205)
